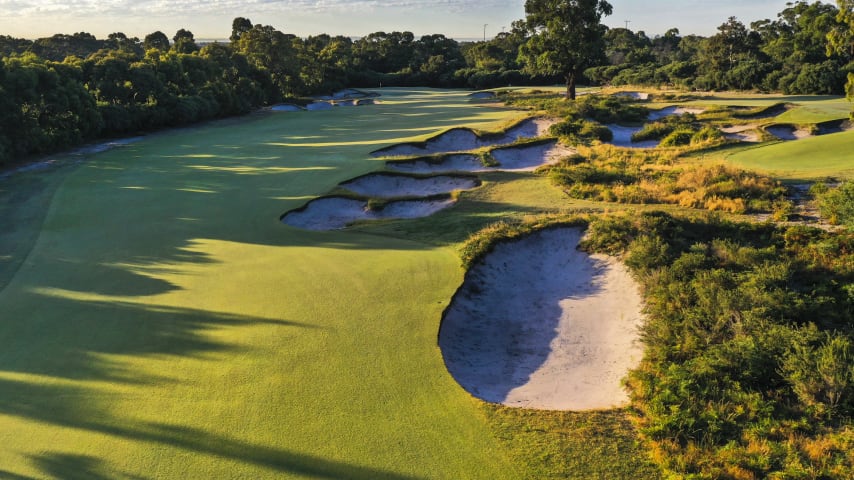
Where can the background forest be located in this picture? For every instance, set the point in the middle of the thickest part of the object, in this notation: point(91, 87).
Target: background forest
point(63, 90)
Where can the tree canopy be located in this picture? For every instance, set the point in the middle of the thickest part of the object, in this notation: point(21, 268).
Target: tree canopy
point(567, 37)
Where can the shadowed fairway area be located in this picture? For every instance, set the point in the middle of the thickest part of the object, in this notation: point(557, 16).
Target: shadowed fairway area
point(166, 325)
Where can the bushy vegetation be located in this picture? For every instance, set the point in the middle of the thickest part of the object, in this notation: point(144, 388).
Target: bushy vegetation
point(645, 176)
point(583, 120)
point(748, 367)
point(805, 50)
point(63, 90)
point(836, 204)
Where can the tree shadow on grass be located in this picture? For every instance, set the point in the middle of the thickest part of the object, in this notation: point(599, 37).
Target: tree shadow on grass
point(66, 466)
point(50, 403)
point(69, 338)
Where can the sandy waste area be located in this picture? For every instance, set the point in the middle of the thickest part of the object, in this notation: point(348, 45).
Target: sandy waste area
point(539, 324)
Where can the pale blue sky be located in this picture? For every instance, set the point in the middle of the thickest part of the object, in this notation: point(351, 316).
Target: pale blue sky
point(454, 18)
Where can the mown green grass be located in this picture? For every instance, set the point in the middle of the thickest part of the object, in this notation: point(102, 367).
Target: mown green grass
point(807, 159)
point(165, 324)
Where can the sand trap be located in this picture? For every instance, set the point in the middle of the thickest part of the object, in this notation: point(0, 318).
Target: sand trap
point(788, 132)
point(383, 185)
point(539, 324)
point(351, 93)
point(529, 157)
point(743, 133)
point(835, 126)
point(449, 164)
point(670, 111)
point(464, 139)
point(334, 213)
point(623, 137)
point(482, 95)
point(510, 159)
point(634, 95)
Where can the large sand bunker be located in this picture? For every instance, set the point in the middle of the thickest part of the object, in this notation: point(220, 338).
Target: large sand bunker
point(529, 157)
point(540, 324)
point(788, 132)
point(670, 111)
point(464, 139)
point(633, 95)
point(513, 158)
point(743, 133)
point(334, 213)
point(384, 185)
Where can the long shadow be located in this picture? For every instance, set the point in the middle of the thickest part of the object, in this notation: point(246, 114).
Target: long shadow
point(50, 403)
point(499, 327)
point(140, 209)
point(67, 338)
point(77, 467)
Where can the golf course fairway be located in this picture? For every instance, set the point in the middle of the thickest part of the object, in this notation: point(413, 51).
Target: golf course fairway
point(165, 324)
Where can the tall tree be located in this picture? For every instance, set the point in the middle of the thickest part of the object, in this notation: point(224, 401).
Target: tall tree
point(157, 40)
point(842, 39)
point(567, 38)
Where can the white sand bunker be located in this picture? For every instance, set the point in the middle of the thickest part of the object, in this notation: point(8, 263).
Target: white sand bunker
point(447, 164)
point(464, 139)
point(384, 185)
point(634, 95)
point(529, 157)
point(623, 137)
point(539, 324)
point(334, 213)
point(789, 132)
point(670, 111)
point(743, 133)
point(514, 159)
point(482, 95)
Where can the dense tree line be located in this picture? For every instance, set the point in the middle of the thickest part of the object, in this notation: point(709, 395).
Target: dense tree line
point(62, 90)
point(794, 54)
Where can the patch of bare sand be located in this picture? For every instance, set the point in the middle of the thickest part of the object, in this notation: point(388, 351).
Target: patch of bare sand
point(510, 159)
point(529, 157)
point(670, 111)
point(540, 324)
point(464, 139)
point(462, 162)
point(743, 133)
point(789, 132)
point(335, 213)
point(634, 95)
point(380, 185)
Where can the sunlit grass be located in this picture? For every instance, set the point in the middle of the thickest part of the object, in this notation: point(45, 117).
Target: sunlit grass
point(810, 158)
point(166, 324)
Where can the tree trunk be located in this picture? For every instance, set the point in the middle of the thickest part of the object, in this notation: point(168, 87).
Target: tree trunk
point(570, 85)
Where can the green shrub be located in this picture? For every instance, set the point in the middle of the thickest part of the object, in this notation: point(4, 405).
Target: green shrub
point(837, 205)
point(678, 138)
point(652, 131)
point(748, 369)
